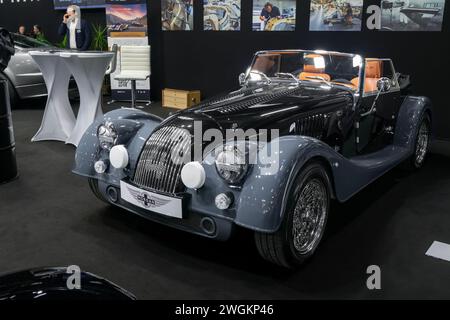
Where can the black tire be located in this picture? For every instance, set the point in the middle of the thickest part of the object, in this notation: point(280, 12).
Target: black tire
point(281, 247)
point(93, 184)
point(417, 160)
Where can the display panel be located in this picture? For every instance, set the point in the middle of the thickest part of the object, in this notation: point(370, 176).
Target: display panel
point(177, 15)
point(277, 15)
point(85, 4)
point(412, 15)
point(127, 18)
point(222, 15)
point(336, 15)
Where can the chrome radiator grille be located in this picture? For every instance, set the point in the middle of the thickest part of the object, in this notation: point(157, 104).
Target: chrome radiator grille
point(159, 166)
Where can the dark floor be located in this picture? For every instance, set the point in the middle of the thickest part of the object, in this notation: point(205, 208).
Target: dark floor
point(48, 217)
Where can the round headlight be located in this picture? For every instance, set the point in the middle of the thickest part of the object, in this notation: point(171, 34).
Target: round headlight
point(231, 165)
point(107, 136)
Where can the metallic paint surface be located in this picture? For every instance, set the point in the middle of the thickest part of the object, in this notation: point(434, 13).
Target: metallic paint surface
point(260, 201)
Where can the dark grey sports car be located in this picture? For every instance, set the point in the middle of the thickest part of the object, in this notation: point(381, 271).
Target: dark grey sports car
point(24, 76)
point(305, 128)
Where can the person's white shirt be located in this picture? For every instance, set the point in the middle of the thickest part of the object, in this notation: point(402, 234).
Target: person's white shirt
point(73, 34)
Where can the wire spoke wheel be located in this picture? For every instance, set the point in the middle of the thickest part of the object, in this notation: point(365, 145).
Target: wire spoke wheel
point(422, 143)
point(309, 216)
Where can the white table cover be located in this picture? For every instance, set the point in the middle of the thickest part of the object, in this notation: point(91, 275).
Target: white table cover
point(59, 120)
point(88, 69)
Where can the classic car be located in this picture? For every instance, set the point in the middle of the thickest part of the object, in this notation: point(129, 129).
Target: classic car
point(24, 77)
point(334, 18)
point(322, 125)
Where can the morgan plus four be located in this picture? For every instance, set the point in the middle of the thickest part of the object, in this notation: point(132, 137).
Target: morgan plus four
point(319, 127)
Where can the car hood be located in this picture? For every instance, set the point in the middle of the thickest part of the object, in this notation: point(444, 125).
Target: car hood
point(261, 107)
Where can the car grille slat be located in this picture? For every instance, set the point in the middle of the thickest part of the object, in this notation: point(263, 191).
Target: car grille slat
point(313, 126)
point(156, 169)
point(177, 176)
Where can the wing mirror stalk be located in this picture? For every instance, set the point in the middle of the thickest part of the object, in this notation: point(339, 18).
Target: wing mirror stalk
point(383, 85)
point(242, 79)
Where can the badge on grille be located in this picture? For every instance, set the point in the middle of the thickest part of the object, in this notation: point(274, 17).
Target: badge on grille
point(148, 200)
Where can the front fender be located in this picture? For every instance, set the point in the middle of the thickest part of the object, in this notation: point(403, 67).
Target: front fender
point(133, 126)
point(264, 193)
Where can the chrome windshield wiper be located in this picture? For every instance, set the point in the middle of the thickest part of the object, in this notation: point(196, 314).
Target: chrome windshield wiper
point(287, 74)
point(321, 79)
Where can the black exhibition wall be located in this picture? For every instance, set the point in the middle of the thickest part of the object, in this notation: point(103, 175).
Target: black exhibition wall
point(211, 61)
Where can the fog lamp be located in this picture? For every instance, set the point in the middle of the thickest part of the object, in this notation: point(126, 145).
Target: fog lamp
point(118, 156)
point(223, 201)
point(100, 166)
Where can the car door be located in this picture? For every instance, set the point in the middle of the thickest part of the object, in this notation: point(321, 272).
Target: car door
point(378, 110)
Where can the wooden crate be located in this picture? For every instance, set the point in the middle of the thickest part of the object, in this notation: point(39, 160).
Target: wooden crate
point(180, 99)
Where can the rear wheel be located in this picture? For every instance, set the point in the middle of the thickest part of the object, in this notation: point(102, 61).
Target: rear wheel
point(93, 184)
point(422, 144)
point(304, 220)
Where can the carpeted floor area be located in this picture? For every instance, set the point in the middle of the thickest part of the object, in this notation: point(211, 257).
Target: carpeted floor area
point(48, 217)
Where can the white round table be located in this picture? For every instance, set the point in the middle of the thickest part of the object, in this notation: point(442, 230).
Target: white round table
point(88, 69)
point(59, 120)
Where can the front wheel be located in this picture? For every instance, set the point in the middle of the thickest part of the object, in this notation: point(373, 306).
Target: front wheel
point(304, 220)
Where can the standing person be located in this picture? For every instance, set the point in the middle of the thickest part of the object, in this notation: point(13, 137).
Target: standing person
point(268, 12)
point(76, 29)
point(37, 32)
point(22, 31)
point(349, 15)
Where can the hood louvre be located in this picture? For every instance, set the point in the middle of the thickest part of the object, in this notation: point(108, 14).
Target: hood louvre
point(254, 101)
point(227, 97)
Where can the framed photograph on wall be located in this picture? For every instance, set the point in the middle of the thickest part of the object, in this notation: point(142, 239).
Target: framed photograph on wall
point(275, 15)
point(177, 15)
point(223, 15)
point(126, 20)
point(412, 15)
point(336, 15)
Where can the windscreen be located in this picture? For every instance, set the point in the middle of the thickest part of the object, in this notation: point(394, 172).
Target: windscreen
point(310, 66)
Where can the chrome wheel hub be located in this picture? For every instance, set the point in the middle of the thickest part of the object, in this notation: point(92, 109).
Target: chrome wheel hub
point(309, 216)
point(422, 144)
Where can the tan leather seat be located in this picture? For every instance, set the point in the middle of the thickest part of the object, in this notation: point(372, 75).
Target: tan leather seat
point(373, 74)
point(310, 70)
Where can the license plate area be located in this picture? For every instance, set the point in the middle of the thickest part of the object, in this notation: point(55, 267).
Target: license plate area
point(151, 201)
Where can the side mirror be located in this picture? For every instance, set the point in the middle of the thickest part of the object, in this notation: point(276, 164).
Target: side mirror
point(384, 84)
point(242, 79)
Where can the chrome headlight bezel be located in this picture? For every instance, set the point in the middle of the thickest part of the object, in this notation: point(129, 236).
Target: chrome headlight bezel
point(231, 164)
point(107, 135)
